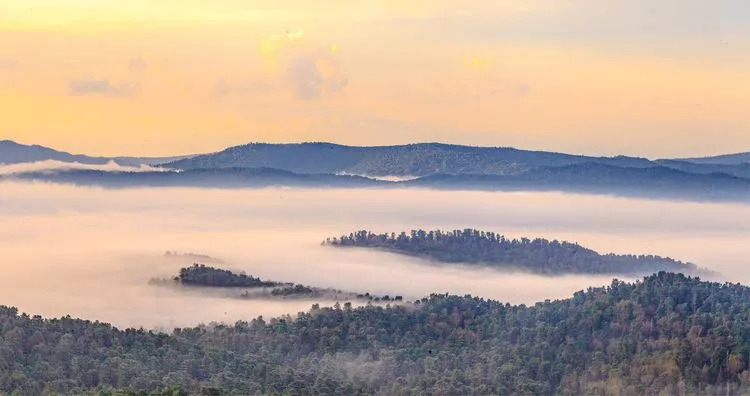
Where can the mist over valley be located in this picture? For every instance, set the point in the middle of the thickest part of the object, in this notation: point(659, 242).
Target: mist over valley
point(89, 252)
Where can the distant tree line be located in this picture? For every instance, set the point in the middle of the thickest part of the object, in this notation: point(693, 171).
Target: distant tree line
point(488, 248)
point(669, 334)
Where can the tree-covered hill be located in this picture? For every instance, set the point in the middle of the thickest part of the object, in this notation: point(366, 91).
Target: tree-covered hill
point(494, 250)
point(668, 334)
point(202, 275)
point(418, 159)
point(248, 286)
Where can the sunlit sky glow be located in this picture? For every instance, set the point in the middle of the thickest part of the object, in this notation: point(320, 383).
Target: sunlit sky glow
point(158, 77)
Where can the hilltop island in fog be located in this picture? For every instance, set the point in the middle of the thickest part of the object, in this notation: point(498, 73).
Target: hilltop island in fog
point(202, 276)
point(493, 250)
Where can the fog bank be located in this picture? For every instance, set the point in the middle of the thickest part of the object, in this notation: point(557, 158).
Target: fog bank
point(90, 252)
point(54, 165)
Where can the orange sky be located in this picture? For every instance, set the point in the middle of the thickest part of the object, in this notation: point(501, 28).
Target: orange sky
point(168, 77)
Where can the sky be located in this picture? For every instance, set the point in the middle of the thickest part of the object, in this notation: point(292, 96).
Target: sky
point(161, 77)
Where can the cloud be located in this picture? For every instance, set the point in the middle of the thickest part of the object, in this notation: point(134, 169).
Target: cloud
point(53, 166)
point(308, 69)
point(94, 86)
point(314, 73)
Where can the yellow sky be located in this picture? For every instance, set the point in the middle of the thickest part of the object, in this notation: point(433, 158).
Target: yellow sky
point(168, 77)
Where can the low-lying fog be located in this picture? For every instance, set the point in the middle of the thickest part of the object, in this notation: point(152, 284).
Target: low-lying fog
point(90, 252)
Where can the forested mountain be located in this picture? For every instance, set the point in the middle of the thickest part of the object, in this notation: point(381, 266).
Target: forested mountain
point(14, 153)
point(434, 165)
point(668, 334)
point(424, 159)
point(494, 250)
point(591, 177)
point(220, 178)
point(740, 169)
point(652, 182)
point(407, 160)
point(413, 160)
point(727, 159)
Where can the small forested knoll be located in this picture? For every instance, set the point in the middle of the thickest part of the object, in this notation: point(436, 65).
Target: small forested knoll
point(668, 334)
point(202, 275)
point(494, 250)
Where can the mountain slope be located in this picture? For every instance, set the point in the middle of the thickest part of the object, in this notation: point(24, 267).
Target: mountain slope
point(726, 159)
point(223, 178)
point(656, 181)
point(668, 334)
point(15, 153)
point(406, 160)
point(652, 182)
point(739, 170)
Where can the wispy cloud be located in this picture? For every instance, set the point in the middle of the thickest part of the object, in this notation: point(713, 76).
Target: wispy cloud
point(100, 86)
point(308, 69)
point(311, 74)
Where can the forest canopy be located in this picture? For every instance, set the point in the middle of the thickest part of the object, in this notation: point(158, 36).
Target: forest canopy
point(490, 249)
point(668, 334)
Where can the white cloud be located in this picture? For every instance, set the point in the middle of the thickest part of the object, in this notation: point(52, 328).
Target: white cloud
point(315, 73)
point(54, 166)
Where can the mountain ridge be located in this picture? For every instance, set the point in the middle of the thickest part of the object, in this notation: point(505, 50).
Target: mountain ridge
point(722, 159)
point(416, 159)
point(592, 177)
point(12, 152)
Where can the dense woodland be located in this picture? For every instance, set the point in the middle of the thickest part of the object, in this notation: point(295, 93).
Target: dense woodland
point(488, 248)
point(202, 275)
point(669, 333)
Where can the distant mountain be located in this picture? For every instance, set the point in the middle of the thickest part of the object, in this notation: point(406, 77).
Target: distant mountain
point(740, 169)
point(420, 159)
point(651, 182)
point(430, 165)
point(219, 178)
point(596, 178)
point(16, 153)
point(726, 159)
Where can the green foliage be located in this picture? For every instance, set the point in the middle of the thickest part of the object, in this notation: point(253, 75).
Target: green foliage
point(488, 248)
point(668, 334)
